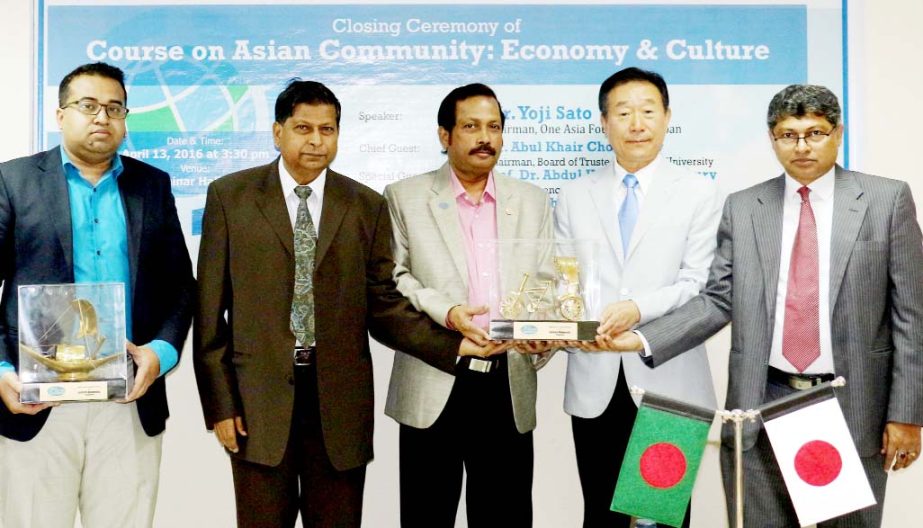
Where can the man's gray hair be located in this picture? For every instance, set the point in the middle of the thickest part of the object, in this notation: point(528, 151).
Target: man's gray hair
point(799, 100)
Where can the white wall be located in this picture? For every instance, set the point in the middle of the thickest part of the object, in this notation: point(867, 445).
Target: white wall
point(196, 485)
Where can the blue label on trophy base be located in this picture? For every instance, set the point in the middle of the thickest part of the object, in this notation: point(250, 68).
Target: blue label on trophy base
point(545, 330)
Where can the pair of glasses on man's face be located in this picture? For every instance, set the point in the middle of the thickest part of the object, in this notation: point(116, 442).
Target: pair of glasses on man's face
point(91, 107)
point(814, 137)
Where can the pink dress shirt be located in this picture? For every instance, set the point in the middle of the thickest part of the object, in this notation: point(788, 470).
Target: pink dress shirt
point(479, 228)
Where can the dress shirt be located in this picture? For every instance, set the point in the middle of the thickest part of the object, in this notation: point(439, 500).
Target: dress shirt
point(100, 242)
point(315, 201)
point(821, 197)
point(479, 225)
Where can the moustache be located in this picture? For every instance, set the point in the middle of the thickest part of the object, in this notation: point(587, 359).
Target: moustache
point(487, 149)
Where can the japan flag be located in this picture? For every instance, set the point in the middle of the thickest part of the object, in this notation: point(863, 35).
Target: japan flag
point(818, 459)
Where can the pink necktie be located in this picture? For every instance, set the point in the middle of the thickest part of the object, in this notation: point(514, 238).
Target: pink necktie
point(801, 333)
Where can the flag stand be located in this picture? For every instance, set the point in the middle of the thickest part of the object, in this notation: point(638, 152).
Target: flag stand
point(738, 417)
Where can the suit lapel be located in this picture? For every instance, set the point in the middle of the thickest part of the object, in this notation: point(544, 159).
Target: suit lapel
point(336, 204)
point(655, 206)
point(445, 212)
point(54, 187)
point(133, 203)
point(848, 213)
point(509, 210)
point(602, 193)
point(271, 203)
point(767, 232)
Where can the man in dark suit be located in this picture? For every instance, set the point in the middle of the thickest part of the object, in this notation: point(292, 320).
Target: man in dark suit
point(75, 214)
point(818, 270)
point(295, 270)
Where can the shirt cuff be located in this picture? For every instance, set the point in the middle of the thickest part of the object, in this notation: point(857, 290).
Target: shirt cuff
point(166, 353)
point(647, 347)
point(6, 367)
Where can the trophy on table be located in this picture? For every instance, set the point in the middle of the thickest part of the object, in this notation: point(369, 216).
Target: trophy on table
point(543, 289)
point(72, 343)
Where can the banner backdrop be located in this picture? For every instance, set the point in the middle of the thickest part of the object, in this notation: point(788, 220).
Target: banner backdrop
point(203, 77)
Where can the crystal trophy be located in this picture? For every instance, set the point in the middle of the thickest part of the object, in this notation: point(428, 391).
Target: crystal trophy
point(543, 290)
point(72, 343)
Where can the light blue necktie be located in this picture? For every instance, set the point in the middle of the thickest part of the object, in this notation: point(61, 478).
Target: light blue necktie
point(628, 214)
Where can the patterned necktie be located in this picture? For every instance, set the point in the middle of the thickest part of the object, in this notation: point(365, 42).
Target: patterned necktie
point(801, 331)
point(302, 318)
point(628, 213)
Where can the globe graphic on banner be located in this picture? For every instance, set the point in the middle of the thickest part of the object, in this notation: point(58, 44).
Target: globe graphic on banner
point(208, 105)
point(197, 130)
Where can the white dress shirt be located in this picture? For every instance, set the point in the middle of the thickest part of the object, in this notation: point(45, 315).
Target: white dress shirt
point(315, 201)
point(821, 197)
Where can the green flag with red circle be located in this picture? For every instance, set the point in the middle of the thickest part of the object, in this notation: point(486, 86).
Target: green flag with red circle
point(662, 459)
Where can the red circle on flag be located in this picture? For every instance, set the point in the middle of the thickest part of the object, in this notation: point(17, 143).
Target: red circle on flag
point(663, 465)
point(818, 463)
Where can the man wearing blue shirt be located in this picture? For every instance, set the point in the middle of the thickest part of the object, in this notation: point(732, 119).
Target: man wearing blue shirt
point(80, 213)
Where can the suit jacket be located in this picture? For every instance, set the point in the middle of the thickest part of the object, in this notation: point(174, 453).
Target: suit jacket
point(876, 302)
point(243, 344)
point(432, 271)
point(670, 250)
point(36, 247)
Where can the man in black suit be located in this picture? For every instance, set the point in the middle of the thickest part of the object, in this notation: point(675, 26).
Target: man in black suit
point(80, 213)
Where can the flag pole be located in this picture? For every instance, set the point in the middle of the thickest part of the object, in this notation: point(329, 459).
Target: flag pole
point(738, 416)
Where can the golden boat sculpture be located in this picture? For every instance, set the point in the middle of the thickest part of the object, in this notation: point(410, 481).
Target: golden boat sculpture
point(72, 360)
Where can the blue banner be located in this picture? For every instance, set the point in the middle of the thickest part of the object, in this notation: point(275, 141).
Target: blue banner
point(432, 44)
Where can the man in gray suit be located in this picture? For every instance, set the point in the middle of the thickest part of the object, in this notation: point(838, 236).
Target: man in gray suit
point(479, 419)
point(656, 224)
point(819, 272)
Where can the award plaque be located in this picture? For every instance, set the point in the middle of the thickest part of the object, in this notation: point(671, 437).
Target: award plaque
point(72, 343)
point(544, 289)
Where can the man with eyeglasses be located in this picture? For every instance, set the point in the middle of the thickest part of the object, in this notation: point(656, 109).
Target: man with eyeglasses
point(81, 213)
point(828, 282)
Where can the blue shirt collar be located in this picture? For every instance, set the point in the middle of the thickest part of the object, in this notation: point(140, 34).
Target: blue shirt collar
point(115, 168)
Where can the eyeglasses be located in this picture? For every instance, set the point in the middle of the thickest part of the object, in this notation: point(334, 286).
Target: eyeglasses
point(91, 107)
point(814, 137)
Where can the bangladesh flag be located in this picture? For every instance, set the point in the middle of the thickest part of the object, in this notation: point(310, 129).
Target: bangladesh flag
point(662, 459)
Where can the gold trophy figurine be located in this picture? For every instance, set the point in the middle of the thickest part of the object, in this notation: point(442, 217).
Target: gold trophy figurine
point(570, 303)
point(511, 305)
point(74, 361)
point(537, 303)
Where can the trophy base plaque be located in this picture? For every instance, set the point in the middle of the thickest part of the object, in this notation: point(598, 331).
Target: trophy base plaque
point(74, 391)
point(543, 330)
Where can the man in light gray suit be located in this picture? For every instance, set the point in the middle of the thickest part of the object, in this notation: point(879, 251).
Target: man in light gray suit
point(819, 272)
point(656, 226)
point(480, 418)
